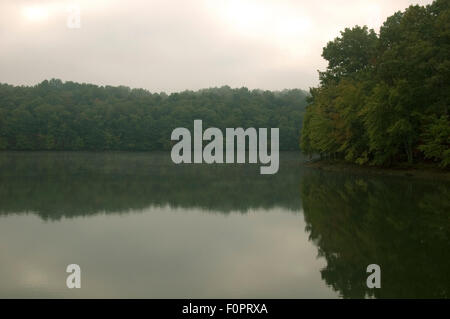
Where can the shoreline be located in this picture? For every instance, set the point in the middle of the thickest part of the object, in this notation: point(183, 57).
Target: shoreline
point(422, 171)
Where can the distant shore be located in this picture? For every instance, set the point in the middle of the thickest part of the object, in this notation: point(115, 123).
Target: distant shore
point(405, 170)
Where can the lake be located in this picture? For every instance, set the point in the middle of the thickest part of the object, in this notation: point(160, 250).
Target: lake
point(140, 226)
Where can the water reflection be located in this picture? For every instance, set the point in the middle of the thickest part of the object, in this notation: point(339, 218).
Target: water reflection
point(55, 185)
point(159, 230)
point(400, 224)
point(161, 252)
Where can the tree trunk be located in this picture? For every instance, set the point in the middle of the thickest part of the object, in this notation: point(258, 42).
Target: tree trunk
point(409, 152)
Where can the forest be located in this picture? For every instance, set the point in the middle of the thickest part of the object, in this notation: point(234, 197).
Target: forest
point(384, 98)
point(57, 115)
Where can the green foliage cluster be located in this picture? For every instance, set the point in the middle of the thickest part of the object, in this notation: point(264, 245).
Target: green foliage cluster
point(384, 98)
point(56, 115)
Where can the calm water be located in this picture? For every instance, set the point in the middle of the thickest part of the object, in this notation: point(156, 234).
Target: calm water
point(142, 227)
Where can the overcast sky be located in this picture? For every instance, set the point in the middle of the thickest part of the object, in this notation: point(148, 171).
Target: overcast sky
point(173, 45)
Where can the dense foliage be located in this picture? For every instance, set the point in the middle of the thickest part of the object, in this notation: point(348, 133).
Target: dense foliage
point(69, 116)
point(384, 98)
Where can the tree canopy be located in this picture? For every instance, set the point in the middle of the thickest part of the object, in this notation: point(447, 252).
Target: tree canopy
point(384, 97)
point(56, 115)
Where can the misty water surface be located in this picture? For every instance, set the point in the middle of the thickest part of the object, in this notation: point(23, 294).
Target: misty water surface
point(140, 226)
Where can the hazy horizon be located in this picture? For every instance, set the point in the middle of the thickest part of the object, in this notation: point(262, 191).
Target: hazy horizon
point(177, 46)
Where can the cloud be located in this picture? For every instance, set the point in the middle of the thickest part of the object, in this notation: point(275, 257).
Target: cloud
point(176, 45)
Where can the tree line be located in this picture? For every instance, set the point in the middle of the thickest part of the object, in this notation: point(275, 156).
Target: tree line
point(384, 98)
point(57, 115)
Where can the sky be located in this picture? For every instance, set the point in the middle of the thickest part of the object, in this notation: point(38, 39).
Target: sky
point(175, 45)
